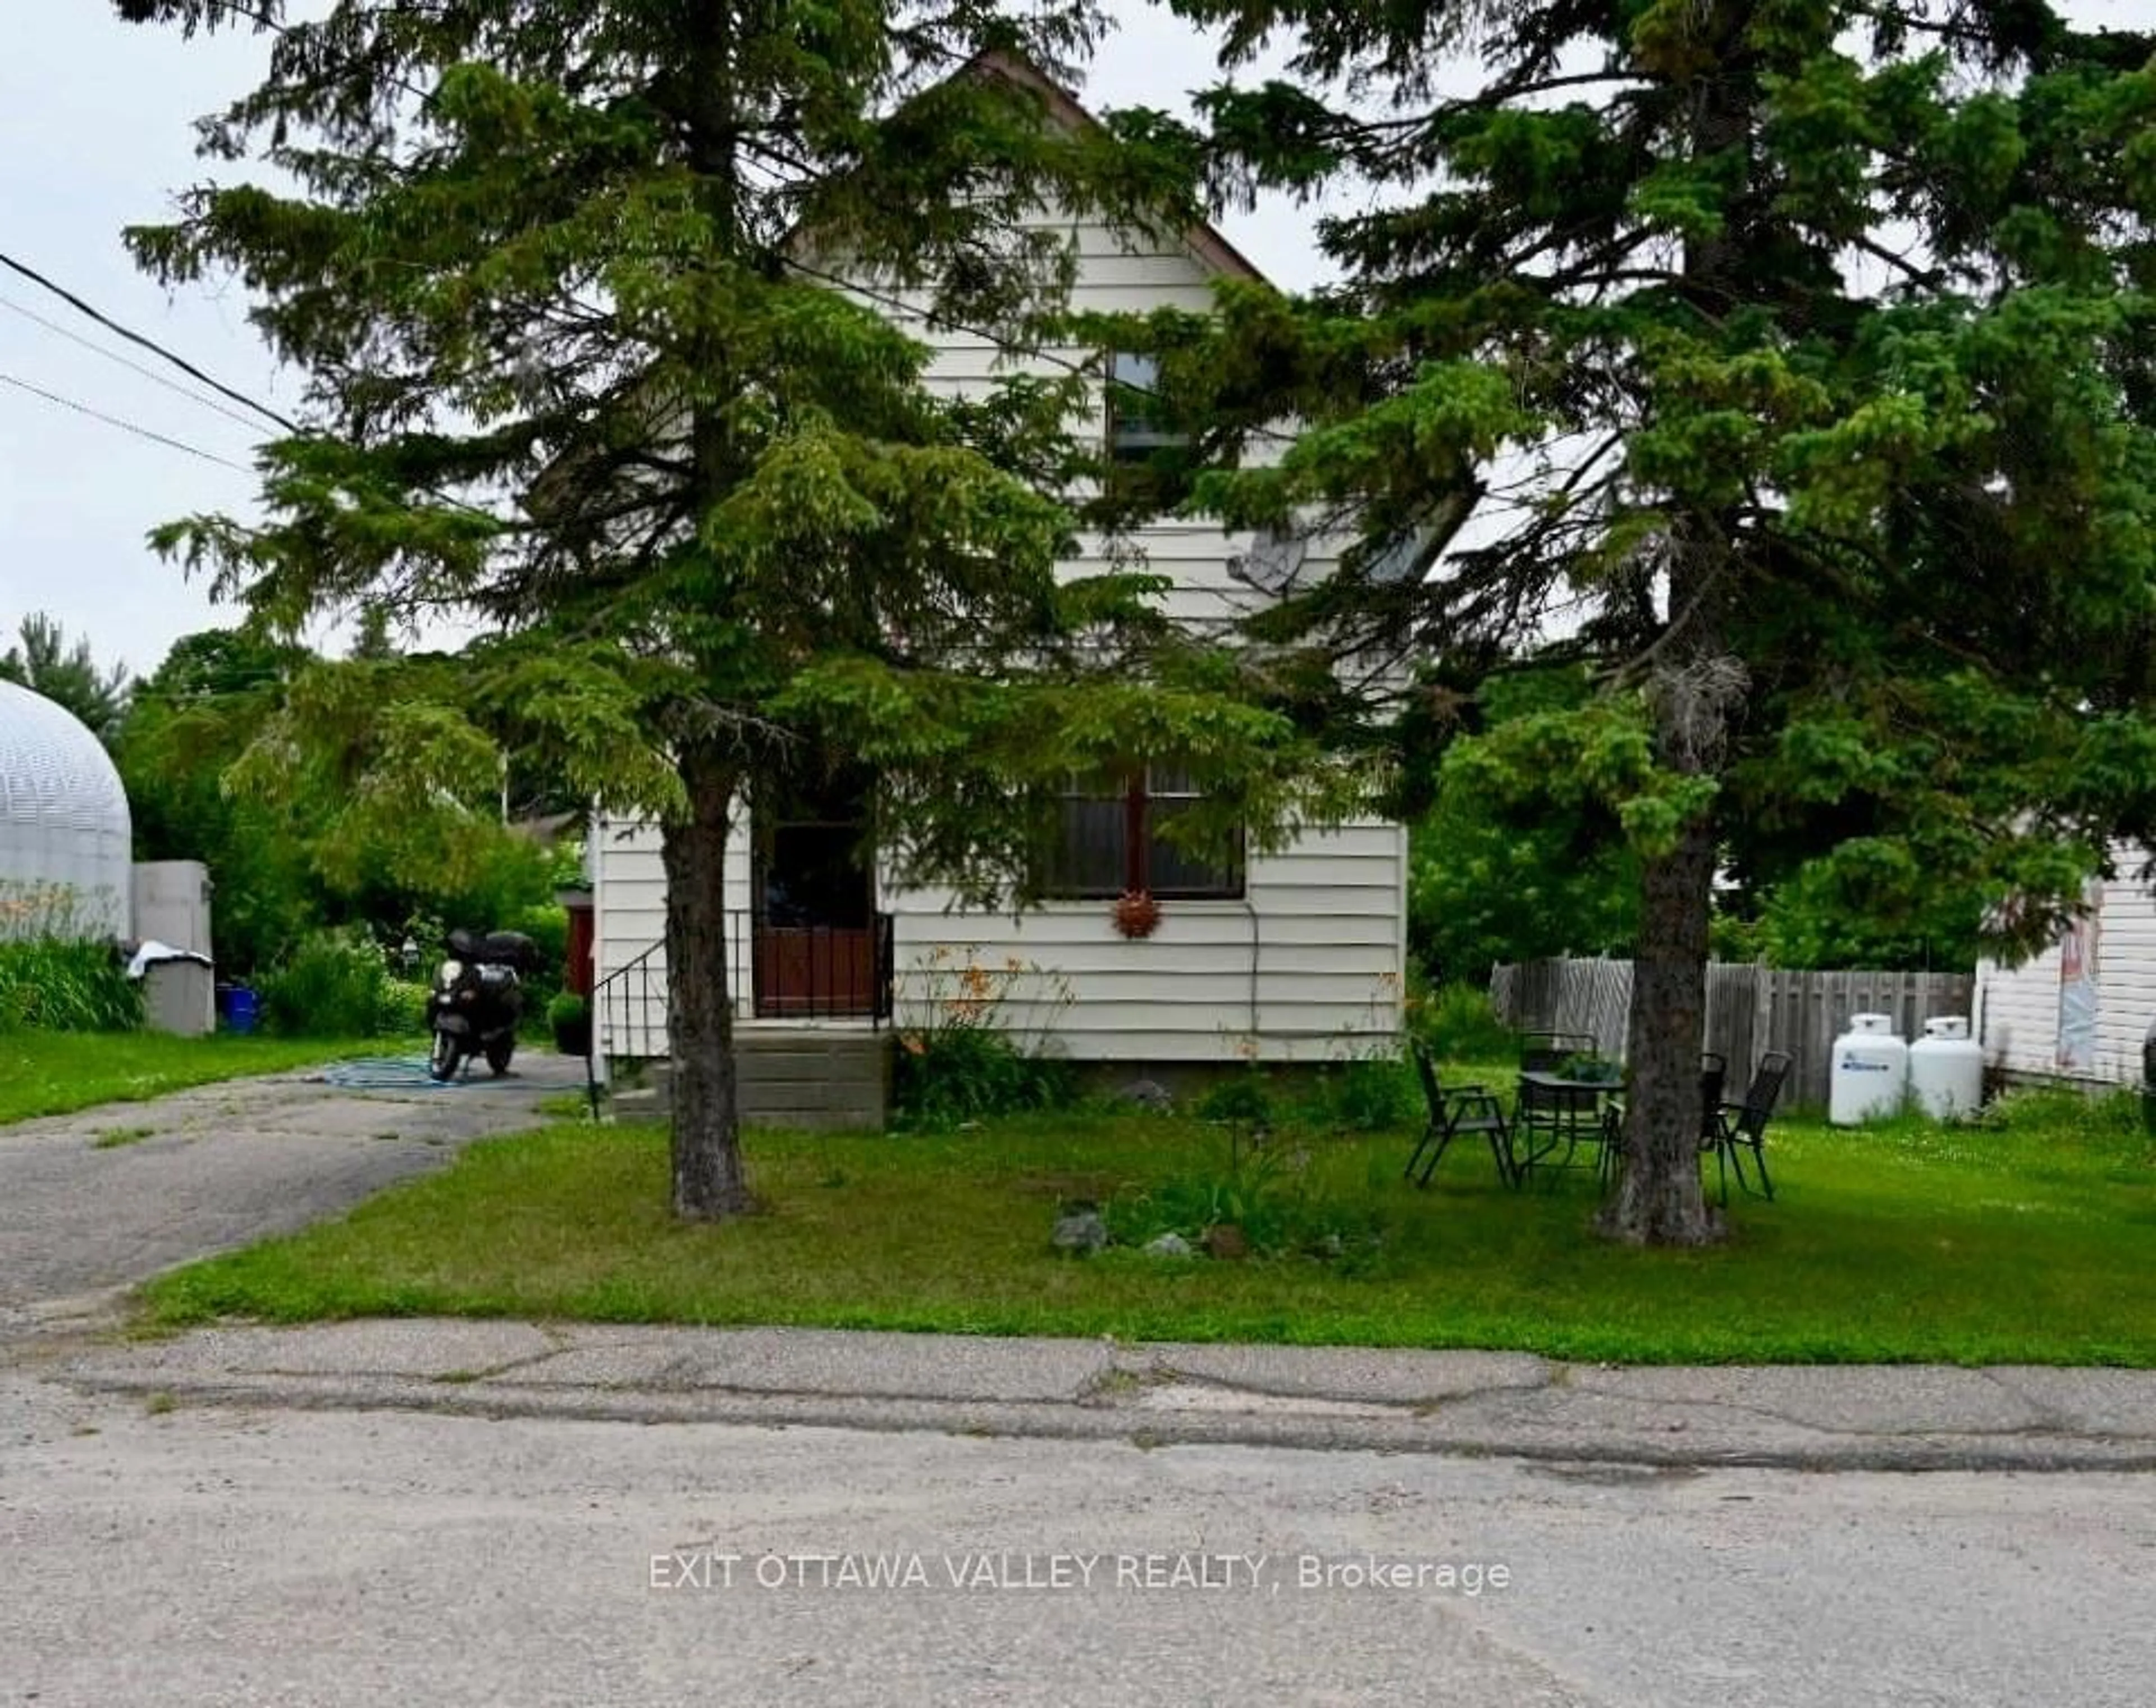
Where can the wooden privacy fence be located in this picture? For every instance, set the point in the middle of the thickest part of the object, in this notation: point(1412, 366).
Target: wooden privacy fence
point(1750, 1010)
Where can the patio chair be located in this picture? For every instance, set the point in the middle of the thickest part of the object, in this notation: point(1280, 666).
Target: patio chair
point(1713, 1076)
point(1739, 1127)
point(1464, 1109)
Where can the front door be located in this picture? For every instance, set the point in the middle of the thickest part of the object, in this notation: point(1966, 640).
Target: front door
point(814, 898)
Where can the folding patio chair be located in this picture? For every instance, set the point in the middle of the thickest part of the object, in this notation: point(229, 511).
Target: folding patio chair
point(1713, 1076)
point(1740, 1127)
point(1464, 1109)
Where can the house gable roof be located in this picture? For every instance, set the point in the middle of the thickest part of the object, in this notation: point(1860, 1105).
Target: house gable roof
point(1204, 240)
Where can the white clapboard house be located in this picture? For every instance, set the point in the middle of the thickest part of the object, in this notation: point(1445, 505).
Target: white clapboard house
point(1296, 956)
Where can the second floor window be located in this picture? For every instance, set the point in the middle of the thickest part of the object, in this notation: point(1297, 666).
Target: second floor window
point(1109, 841)
point(1137, 425)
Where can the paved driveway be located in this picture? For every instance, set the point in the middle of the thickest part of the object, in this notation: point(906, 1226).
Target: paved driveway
point(180, 1177)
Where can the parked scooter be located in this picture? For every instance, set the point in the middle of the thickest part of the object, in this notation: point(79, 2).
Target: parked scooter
point(477, 1000)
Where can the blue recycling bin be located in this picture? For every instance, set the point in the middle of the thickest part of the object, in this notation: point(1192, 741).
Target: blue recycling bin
point(242, 1008)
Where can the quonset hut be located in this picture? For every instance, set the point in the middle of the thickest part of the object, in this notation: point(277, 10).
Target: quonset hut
point(66, 858)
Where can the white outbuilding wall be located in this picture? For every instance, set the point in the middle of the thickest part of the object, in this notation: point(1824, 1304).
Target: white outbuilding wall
point(65, 841)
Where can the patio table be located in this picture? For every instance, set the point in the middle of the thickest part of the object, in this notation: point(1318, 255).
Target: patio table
point(1556, 1110)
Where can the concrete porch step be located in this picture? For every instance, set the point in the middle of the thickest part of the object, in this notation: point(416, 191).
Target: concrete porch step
point(828, 1077)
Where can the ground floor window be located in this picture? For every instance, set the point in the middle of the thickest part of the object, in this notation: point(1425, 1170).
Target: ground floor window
point(1109, 841)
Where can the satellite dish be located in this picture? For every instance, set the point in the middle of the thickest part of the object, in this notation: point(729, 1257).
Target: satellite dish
point(1272, 562)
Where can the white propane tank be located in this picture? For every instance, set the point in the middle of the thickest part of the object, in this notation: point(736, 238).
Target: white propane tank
point(1870, 1071)
point(1946, 1068)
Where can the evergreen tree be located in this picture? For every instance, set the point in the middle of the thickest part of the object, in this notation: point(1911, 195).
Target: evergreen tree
point(1788, 362)
point(565, 278)
point(43, 662)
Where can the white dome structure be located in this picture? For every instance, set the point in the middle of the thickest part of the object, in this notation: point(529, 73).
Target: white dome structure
point(66, 852)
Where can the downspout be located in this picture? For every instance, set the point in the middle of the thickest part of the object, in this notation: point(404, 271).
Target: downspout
point(598, 1065)
point(1250, 909)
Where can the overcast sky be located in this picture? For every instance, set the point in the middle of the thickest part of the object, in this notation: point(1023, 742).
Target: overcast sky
point(95, 134)
point(95, 118)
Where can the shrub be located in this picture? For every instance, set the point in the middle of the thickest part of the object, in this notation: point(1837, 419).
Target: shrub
point(567, 1009)
point(547, 925)
point(1369, 1095)
point(59, 971)
point(403, 1012)
point(1458, 1023)
point(966, 1072)
point(335, 985)
point(1240, 1098)
point(968, 1056)
point(1265, 1195)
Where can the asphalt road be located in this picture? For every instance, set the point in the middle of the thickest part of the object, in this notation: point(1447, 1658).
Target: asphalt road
point(215, 1555)
point(113, 1195)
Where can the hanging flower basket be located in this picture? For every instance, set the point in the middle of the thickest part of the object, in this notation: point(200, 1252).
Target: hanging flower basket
point(1136, 914)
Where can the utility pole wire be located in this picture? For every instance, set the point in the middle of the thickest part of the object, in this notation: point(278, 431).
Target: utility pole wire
point(124, 426)
point(147, 373)
point(151, 345)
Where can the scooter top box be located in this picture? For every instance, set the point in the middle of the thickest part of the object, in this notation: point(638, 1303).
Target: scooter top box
point(500, 948)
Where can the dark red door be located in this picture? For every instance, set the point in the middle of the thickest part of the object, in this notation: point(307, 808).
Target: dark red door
point(815, 935)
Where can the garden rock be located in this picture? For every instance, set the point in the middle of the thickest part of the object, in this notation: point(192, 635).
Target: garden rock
point(1170, 1245)
point(1148, 1093)
point(1079, 1232)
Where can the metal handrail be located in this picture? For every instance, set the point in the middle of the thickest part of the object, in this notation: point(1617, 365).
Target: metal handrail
point(600, 1007)
point(817, 981)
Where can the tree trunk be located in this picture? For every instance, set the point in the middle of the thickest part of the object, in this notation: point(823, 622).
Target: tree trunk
point(709, 1181)
point(1658, 1201)
point(1693, 689)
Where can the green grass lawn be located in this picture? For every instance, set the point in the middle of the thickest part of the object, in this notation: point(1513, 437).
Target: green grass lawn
point(2030, 1239)
point(56, 1073)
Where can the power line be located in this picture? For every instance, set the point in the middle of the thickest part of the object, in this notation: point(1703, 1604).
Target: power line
point(147, 373)
point(151, 345)
point(182, 363)
point(951, 56)
point(124, 426)
point(855, 286)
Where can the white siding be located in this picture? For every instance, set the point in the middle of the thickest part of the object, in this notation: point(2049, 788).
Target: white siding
point(1117, 273)
point(628, 908)
point(1309, 966)
point(2018, 1008)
